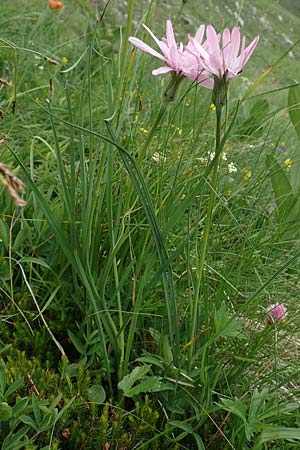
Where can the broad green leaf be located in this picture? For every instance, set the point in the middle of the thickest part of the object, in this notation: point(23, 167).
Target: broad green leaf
point(166, 349)
point(236, 407)
point(128, 381)
point(38, 261)
point(4, 234)
point(81, 348)
point(281, 186)
point(15, 441)
point(150, 384)
point(96, 394)
point(287, 203)
point(22, 236)
point(21, 405)
point(224, 325)
point(2, 379)
point(28, 421)
point(5, 412)
point(55, 401)
point(294, 107)
point(273, 433)
point(36, 409)
point(4, 268)
point(257, 402)
point(15, 386)
point(151, 359)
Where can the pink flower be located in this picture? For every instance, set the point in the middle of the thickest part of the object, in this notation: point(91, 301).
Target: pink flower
point(170, 54)
point(193, 67)
point(177, 58)
point(277, 313)
point(222, 60)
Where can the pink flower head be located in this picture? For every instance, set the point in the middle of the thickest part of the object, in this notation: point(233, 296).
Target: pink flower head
point(170, 54)
point(177, 59)
point(192, 65)
point(277, 313)
point(225, 60)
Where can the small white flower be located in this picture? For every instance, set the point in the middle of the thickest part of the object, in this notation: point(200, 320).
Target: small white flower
point(212, 155)
point(224, 156)
point(231, 168)
point(157, 157)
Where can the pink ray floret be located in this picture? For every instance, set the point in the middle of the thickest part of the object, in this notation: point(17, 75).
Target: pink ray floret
point(223, 57)
point(277, 313)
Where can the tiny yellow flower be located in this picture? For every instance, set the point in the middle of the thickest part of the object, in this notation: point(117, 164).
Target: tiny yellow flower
point(144, 130)
point(213, 107)
point(288, 163)
point(64, 59)
point(247, 174)
point(179, 131)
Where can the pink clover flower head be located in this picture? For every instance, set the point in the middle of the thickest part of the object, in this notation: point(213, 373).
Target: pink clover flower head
point(171, 53)
point(223, 56)
point(277, 313)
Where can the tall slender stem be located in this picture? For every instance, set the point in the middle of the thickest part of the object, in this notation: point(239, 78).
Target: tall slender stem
point(207, 227)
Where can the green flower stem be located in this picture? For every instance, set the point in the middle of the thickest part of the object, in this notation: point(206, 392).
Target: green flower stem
point(207, 227)
point(168, 97)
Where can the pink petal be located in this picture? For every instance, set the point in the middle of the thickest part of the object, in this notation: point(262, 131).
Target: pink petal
point(232, 73)
point(235, 43)
point(162, 70)
point(170, 35)
point(162, 45)
point(199, 48)
point(146, 48)
point(216, 65)
point(206, 81)
point(249, 50)
point(226, 41)
point(199, 34)
point(176, 59)
point(212, 40)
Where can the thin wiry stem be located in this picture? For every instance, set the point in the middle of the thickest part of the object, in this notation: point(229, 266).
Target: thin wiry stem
point(207, 227)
